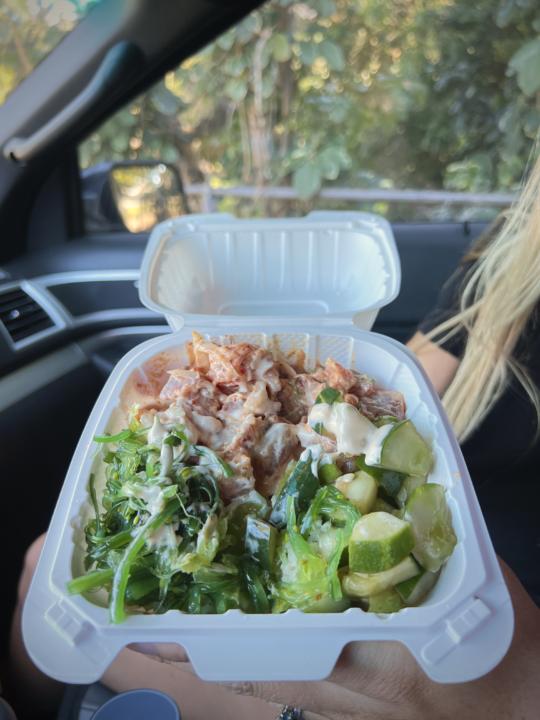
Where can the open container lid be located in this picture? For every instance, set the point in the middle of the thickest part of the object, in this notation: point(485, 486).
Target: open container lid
point(333, 266)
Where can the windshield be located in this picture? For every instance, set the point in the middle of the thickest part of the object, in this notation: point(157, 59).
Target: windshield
point(29, 30)
point(418, 111)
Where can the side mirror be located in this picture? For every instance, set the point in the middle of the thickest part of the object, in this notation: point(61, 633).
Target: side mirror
point(132, 196)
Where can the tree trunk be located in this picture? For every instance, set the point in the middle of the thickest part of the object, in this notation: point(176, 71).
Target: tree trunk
point(24, 60)
point(258, 130)
point(247, 162)
point(286, 83)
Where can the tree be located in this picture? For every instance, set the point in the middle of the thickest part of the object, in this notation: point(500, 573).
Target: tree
point(481, 114)
point(376, 93)
point(363, 93)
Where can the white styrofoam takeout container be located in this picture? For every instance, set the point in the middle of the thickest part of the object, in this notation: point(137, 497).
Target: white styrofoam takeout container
point(306, 280)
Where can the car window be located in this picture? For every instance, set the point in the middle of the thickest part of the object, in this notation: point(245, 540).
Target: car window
point(29, 30)
point(418, 111)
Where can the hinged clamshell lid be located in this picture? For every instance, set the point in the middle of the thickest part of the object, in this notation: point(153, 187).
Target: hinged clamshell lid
point(335, 266)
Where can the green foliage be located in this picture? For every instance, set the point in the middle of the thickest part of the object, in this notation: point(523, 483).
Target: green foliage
point(360, 93)
point(526, 64)
point(29, 30)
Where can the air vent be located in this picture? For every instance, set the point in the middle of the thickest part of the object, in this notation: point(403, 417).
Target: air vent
point(21, 315)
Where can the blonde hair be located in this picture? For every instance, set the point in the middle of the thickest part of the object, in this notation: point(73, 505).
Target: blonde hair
point(498, 297)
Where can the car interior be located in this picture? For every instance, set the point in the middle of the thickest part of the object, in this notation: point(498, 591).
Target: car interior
point(69, 304)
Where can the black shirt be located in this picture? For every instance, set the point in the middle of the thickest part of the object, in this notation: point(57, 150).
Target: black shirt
point(503, 453)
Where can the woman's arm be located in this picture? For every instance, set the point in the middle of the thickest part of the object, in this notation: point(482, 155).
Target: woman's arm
point(35, 694)
point(38, 695)
point(440, 366)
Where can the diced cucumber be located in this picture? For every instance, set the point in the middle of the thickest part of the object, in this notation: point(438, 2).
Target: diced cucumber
point(253, 583)
point(360, 488)
point(381, 505)
point(414, 590)
point(406, 451)
point(328, 473)
point(252, 502)
point(363, 585)
point(390, 481)
point(260, 542)
point(387, 601)
point(360, 463)
point(409, 485)
point(379, 541)
point(282, 482)
point(301, 485)
point(431, 520)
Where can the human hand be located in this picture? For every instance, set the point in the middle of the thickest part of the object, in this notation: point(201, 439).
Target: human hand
point(376, 680)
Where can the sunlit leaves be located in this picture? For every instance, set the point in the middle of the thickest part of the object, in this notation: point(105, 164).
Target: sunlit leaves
point(226, 41)
point(472, 175)
point(329, 164)
point(8, 80)
point(234, 66)
point(236, 89)
point(248, 28)
point(308, 52)
point(526, 64)
point(164, 101)
point(324, 7)
point(333, 55)
point(280, 47)
point(307, 179)
point(324, 165)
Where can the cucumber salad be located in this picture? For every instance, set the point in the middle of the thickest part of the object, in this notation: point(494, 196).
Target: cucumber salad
point(250, 482)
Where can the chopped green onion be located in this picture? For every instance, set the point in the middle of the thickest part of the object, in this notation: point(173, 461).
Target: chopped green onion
point(329, 395)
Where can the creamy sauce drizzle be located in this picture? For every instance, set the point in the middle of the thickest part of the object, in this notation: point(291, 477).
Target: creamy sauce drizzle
point(153, 497)
point(163, 537)
point(157, 432)
point(354, 433)
point(373, 453)
point(315, 451)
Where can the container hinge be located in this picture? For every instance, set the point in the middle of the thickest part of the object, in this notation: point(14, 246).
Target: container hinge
point(78, 633)
point(457, 629)
point(63, 620)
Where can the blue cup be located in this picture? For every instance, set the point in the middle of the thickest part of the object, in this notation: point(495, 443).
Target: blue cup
point(138, 705)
